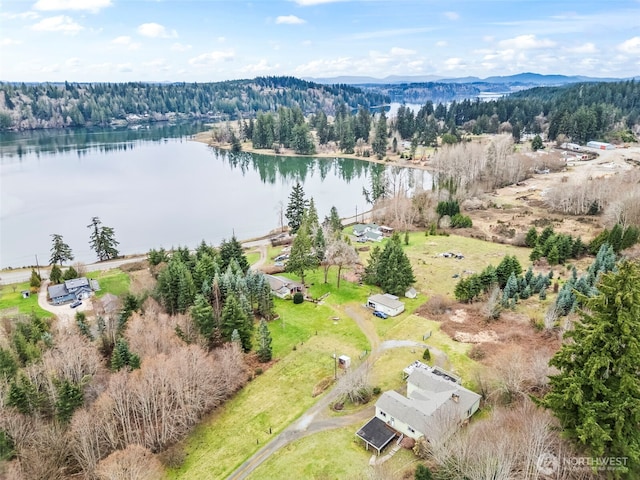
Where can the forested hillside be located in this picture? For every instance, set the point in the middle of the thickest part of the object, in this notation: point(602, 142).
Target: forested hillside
point(70, 104)
point(582, 112)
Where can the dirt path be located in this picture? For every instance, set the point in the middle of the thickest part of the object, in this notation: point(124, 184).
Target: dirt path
point(316, 418)
point(262, 249)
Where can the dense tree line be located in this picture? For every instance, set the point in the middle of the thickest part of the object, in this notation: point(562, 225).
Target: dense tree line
point(49, 105)
point(217, 289)
point(581, 112)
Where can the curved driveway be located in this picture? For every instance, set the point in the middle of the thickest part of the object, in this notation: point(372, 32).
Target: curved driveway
point(315, 419)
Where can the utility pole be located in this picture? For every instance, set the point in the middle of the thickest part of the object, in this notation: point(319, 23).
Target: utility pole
point(38, 266)
point(356, 213)
point(335, 365)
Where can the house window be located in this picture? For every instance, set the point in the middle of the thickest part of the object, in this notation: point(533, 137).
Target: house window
point(382, 413)
point(411, 430)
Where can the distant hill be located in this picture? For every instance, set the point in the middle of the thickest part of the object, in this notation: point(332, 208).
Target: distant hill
point(526, 78)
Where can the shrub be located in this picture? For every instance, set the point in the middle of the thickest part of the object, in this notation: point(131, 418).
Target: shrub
point(298, 297)
point(377, 390)
point(426, 355)
point(461, 221)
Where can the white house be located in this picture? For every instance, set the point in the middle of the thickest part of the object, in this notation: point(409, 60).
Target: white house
point(434, 404)
point(386, 303)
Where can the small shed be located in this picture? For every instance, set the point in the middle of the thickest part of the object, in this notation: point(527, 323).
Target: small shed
point(411, 293)
point(386, 303)
point(344, 361)
point(25, 293)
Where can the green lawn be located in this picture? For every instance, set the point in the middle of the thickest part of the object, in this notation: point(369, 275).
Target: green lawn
point(11, 298)
point(252, 257)
point(278, 396)
point(328, 455)
point(113, 281)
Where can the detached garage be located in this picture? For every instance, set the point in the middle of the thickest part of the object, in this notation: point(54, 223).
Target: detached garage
point(386, 303)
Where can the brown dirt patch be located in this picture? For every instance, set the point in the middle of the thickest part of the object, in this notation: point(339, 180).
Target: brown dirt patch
point(466, 324)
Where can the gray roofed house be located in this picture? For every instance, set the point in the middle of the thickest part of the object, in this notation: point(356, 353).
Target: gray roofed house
point(360, 229)
point(70, 290)
point(283, 287)
point(434, 403)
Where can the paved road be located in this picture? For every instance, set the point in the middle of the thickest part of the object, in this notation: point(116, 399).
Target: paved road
point(24, 274)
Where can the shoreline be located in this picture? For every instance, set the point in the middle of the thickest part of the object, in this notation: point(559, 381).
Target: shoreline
point(247, 147)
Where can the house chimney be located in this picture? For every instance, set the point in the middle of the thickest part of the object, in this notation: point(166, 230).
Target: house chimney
point(455, 397)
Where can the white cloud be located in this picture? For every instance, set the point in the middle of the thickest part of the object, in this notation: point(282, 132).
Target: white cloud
point(212, 58)
point(60, 23)
point(124, 67)
point(441, 43)
point(89, 5)
point(402, 51)
point(261, 67)
point(72, 62)
point(155, 30)
point(631, 46)
point(126, 41)
point(290, 20)
point(20, 16)
point(179, 47)
point(452, 15)
point(5, 42)
point(389, 33)
point(525, 42)
point(454, 63)
point(222, 39)
point(584, 48)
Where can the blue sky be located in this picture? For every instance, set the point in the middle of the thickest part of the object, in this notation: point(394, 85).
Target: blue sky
point(191, 40)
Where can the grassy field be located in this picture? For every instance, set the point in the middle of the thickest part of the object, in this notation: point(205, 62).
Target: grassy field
point(304, 337)
point(252, 257)
point(11, 300)
point(331, 454)
point(113, 281)
point(275, 398)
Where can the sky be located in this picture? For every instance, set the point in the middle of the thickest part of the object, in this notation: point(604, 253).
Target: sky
point(214, 40)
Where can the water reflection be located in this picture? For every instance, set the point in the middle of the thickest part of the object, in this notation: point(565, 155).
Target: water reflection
point(85, 140)
point(275, 168)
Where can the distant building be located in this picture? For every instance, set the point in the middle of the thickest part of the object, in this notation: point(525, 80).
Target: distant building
point(411, 293)
point(600, 145)
point(386, 303)
point(360, 229)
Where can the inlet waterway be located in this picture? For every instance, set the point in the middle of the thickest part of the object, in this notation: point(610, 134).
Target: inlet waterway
point(156, 188)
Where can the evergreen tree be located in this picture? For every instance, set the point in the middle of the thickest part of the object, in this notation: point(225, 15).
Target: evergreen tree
point(70, 274)
point(232, 250)
point(265, 301)
point(102, 240)
point(302, 140)
point(301, 258)
point(202, 316)
point(122, 356)
point(56, 274)
point(596, 395)
point(264, 350)
point(34, 281)
point(335, 222)
point(236, 145)
point(296, 207)
point(553, 257)
point(234, 319)
point(510, 289)
point(536, 143)
point(394, 272)
point(370, 275)
point(60, 251)
point(615, 237)
point(70, 397)
point(532, 237)
point(379, 144)
point(8, 364)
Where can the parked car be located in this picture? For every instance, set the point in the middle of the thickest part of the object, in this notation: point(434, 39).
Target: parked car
point(380, 314)
point(75, 304)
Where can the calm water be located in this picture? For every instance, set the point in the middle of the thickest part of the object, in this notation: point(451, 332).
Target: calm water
point(155, 187)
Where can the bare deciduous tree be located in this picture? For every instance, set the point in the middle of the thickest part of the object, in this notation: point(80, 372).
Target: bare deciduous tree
point(133, 463)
